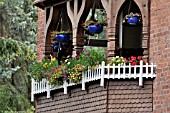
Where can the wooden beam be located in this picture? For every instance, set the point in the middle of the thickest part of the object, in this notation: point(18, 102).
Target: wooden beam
point(74, 15)
point(96, 43)
point(48, 21)
point(48, 3)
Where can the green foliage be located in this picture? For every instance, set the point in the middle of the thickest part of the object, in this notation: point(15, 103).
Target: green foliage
point(88, 59)
point(19, 22)
point(117, 61)
point(42, 69)
point(11, 100)
point(13, 51)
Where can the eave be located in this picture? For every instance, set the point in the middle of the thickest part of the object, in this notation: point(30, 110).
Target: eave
point(47, 3)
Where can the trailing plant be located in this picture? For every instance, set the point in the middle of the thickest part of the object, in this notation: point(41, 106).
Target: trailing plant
point(54, 33)
point(57, 76)
point(87, 59)
point(40, 70)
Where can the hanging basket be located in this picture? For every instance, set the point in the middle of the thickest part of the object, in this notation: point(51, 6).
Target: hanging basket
point(62, 37)
point(133, 19)
point(55, 47)
point(96, 29)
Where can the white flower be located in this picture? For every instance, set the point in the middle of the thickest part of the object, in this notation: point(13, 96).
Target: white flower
point(66, 60)
point(68, 63)
point(117, 56)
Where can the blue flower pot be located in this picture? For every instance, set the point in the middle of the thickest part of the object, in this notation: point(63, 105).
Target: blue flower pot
point(133, 20)
point(55, 47)
point(95, 29)
point(62, 37)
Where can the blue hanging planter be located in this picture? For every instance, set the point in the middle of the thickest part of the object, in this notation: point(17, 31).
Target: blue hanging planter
point(62, 37)
point(55, 47)
point(133, 20)
point(96, 29)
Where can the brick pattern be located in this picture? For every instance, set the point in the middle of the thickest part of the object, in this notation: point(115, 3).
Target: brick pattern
point(40, 38)
point(122, 97)
point(77, 101)
point(128, 97)
point(160, 52)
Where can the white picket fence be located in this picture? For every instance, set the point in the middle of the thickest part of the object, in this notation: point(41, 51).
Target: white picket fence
point(102, 72)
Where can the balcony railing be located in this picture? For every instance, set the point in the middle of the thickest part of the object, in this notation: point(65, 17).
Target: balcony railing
point(102, 72)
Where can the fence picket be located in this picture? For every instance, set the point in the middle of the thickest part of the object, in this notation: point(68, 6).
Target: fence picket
point(99, 73)
point(141, 74)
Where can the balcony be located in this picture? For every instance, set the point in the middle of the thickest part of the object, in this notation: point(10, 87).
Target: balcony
point(101, 73)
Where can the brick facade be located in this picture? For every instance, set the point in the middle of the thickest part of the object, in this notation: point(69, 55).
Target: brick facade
point(118, 96)
point(40, 38)
point(160, 52)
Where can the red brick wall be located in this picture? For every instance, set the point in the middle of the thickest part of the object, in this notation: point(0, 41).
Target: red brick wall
point(40, 38)
point(160, 53)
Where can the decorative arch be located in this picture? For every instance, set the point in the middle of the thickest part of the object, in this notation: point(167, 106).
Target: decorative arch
point(143, 6)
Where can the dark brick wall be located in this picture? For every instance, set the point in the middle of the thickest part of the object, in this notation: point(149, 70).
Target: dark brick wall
point(128, 97)
point(118, 96)
point(76, 101)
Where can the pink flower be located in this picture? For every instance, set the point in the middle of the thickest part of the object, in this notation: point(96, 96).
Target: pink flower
point(139, 57)
point(124, 59)
point(133, 58)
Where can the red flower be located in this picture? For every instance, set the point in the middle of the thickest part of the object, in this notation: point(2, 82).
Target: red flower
point(53, 69)
point(133, 63)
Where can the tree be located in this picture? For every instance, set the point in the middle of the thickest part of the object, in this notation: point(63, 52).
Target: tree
point(18, 24)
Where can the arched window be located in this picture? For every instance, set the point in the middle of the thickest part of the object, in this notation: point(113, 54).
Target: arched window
point(129, 30)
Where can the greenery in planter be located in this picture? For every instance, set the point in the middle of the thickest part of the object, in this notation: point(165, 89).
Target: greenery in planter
point(57, 76)
point(93, 22)
point(40, 70)
point(117, 60)
point(87, 59)
point(133, 60)
point(97, 19)
point(54, 33)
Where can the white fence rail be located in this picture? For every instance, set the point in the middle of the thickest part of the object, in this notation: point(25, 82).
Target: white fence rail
point(102, 72)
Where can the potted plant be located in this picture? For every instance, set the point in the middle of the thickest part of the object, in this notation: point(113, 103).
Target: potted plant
point(133, 18)
point(62, 36)
point(93, 26)
point(39, 70)
point(87, 59)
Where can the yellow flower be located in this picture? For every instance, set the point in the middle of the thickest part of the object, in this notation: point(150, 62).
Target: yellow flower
point(53, 59)
point(45, 65)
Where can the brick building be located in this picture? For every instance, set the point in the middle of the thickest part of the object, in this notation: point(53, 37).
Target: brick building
point(118, 95)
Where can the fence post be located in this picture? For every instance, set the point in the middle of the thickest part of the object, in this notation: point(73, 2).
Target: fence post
point(48, 88)
point(141, 74)
point(83, 80)
point(102, 74)
point(32, 89)
point(65, 86)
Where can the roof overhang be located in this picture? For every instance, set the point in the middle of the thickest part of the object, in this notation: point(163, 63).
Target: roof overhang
point(48, 3)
